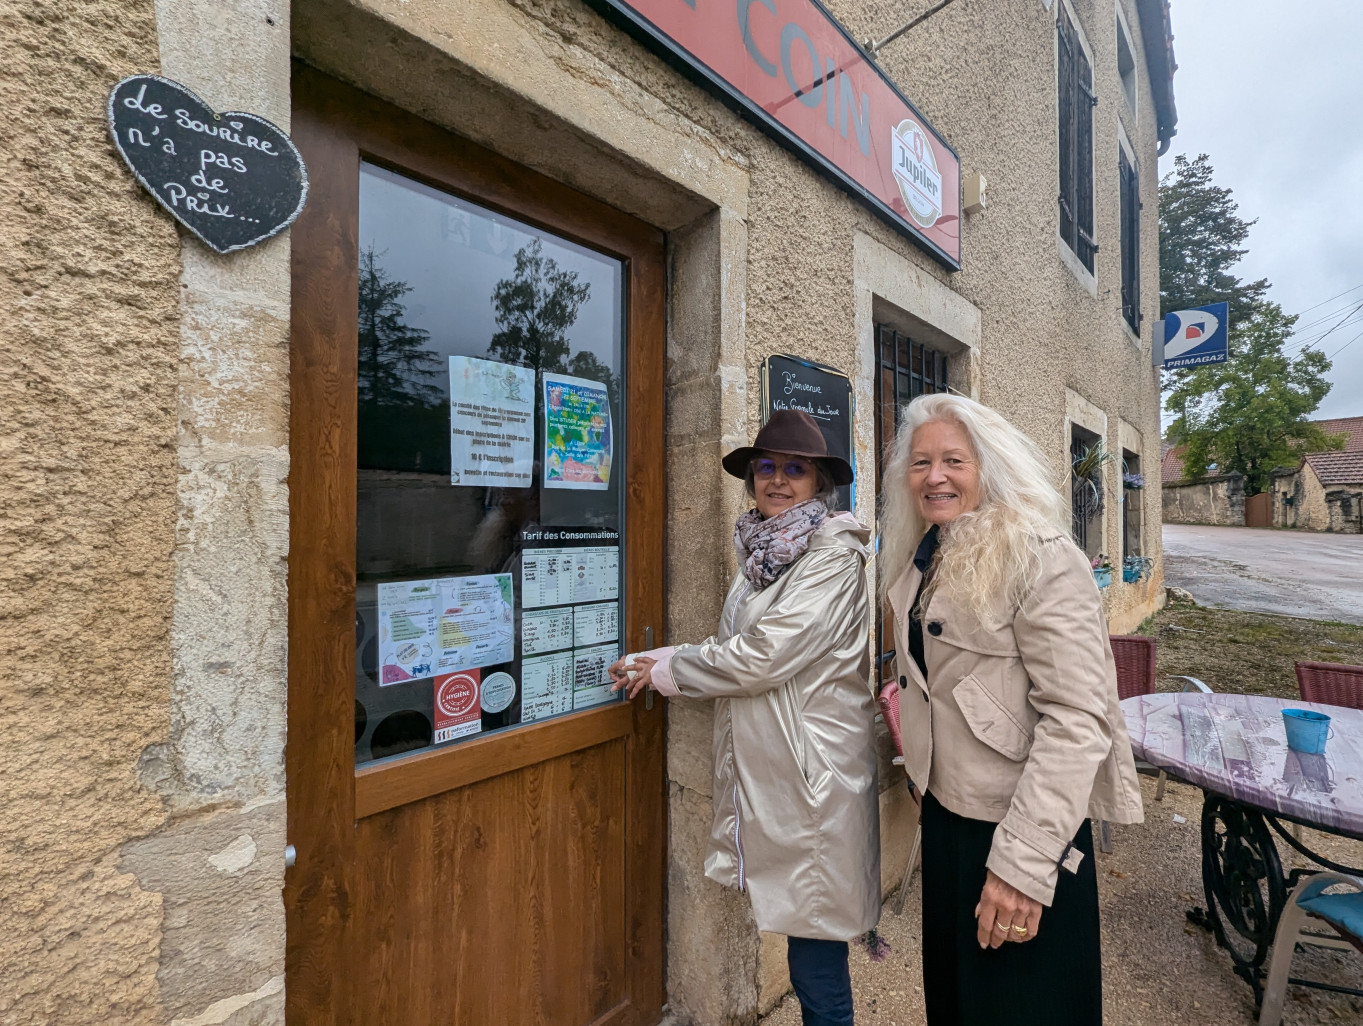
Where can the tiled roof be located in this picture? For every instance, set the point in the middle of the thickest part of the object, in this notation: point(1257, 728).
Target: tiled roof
point(1337, 468)
point(1350, 426)
point(1329, 466)
point(1171, 467)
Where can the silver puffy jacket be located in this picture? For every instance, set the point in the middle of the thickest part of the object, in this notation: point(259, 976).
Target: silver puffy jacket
point(795, 802)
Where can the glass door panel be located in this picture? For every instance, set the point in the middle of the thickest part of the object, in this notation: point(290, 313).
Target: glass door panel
point(490, 449)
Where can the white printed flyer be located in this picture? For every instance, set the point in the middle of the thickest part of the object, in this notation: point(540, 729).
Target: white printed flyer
point(492, 423)
point(547, 683)
point(444, 625)
point(591, 682)
point(562, 577)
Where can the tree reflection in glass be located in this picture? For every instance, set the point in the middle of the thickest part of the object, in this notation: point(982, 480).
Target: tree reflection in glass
point(441, 278)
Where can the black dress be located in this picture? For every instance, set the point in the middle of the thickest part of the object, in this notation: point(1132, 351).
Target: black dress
point(1054, 979)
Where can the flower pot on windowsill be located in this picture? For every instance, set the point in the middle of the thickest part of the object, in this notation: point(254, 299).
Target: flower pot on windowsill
point(1102, 575)
point(1136, 567)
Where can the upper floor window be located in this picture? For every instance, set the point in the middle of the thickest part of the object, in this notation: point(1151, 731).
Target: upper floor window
point(1076, 101)
point(905, 369)
point(1130, 215)
point(1126, 64)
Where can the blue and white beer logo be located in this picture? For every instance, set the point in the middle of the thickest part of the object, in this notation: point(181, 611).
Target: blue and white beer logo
point(1196, 337)
point(915, 171)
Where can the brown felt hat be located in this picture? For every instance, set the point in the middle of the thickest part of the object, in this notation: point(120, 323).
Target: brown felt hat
point(794, 432)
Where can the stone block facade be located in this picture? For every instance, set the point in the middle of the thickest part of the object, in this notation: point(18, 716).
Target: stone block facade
point(147, 384)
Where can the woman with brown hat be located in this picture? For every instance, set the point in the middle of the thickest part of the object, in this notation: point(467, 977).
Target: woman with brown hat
point(795, 808)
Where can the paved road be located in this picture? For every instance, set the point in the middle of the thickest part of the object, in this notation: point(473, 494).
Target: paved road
point(1300, 573)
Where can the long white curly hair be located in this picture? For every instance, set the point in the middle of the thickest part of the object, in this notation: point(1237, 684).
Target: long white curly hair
point(994, 551)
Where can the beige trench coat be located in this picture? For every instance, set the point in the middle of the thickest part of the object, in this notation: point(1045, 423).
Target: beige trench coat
point(1018, 722)
point(796, 815)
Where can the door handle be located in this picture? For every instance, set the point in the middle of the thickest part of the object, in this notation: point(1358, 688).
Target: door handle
point(290, 856)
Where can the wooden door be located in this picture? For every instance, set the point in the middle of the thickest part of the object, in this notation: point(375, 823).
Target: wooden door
point(499, 860)
point(1259, 510)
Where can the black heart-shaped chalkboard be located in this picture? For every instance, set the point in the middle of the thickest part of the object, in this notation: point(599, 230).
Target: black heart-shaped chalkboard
point(233, 179)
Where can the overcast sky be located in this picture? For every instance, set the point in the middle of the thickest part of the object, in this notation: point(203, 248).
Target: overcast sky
point(1273, 92)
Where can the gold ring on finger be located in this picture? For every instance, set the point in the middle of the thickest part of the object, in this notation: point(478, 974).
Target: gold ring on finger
point(1021, 931)
point(1000, 927)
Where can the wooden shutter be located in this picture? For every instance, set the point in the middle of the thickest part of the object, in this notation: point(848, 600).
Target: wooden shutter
point(1075, 100)
point(1131, 242)
point(1065, 45)
point(1084, 102)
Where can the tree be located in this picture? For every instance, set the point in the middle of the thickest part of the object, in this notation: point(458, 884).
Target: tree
point(395, 366)
point(535, 307)
point(1201, 239)
point(403, 423)
point(1249, 413)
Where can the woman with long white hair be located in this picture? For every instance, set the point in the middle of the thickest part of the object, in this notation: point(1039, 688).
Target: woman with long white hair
point(1011, 729)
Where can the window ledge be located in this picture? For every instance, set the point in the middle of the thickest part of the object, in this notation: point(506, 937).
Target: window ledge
point(1130, 333)
point(1082, 274)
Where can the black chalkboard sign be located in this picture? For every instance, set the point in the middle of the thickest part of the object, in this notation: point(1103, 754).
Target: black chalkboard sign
point(232, 179)
point(790, 383)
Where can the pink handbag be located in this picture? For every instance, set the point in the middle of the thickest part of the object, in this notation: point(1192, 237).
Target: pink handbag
point(889, 709)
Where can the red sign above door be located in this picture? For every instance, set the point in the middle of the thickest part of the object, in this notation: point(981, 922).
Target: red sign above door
point(792, 68)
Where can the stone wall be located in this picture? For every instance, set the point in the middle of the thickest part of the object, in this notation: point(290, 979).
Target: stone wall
point(1346, 510)
point(1215, 501)
point(145, 518)
point(1051, 332)
point(1287, 495)
point(1301, 501)
point(89, 344)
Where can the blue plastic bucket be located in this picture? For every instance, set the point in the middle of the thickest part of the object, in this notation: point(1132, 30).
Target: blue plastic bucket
point(1307, 730)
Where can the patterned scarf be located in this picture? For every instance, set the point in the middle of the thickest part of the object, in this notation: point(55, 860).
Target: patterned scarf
point(767, 547)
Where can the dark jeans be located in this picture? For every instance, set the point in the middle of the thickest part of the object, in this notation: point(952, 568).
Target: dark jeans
point(819, 974)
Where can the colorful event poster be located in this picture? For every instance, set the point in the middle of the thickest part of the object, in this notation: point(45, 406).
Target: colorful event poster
point(492, 423)
point(444, 625)
point(577, 433)
point(457, 712)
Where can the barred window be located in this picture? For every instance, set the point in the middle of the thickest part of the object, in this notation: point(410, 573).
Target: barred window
point(1087, 495)
point(1132, 512)
point(1075, 101)
point(1131, 241)
point(905, 369)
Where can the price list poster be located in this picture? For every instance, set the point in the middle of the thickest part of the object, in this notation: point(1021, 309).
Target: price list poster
point(570, 619)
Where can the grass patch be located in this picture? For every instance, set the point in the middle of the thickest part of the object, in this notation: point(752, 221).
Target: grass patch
point(1245, 653)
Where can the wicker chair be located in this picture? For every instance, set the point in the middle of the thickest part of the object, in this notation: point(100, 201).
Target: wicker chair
point(1331, 684)
point(1135, 658)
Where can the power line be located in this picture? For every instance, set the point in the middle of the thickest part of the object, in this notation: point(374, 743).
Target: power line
point(1321, 319)
point(1332, 329)
point(1331, 299)
point(1300, 342)
point(1345, 346)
